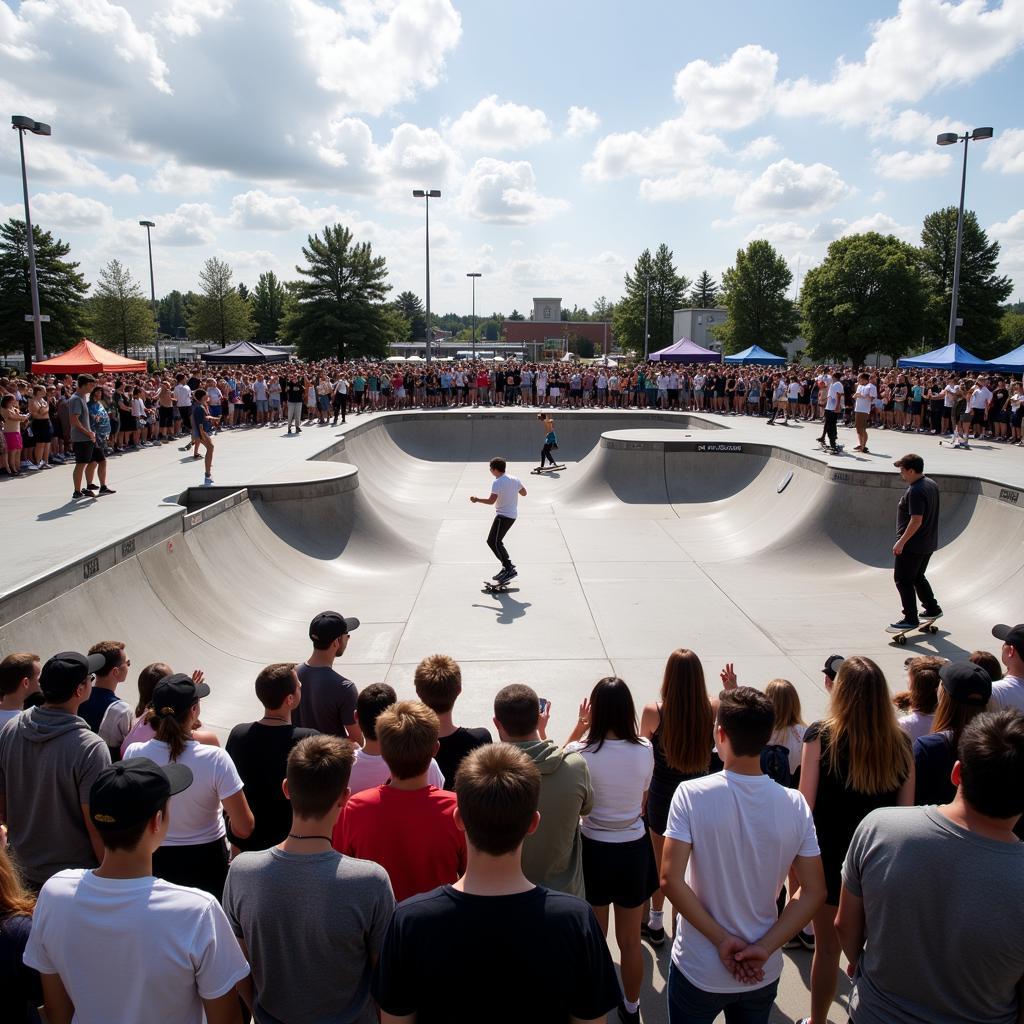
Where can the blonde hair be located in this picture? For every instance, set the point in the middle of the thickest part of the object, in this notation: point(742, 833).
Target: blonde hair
point(687, 722)
point(863, 720)
point(14, 897)
point(786, 701)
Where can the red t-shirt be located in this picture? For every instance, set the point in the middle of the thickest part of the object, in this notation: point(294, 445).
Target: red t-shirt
point(410, 833)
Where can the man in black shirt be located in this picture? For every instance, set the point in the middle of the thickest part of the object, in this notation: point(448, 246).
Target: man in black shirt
point(448, 952)
point(295, 394)
point(260, 751)
point(917, 537)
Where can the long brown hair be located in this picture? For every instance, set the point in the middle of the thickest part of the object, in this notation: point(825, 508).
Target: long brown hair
point(863, 720)
point(687, 723)
point(953, 716)
point(173, 730)
point(14, 897)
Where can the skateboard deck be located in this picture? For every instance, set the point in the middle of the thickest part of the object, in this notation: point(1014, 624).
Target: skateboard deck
point(536, 471)
point(498, 588)
point(838, 450)
point(900, 635)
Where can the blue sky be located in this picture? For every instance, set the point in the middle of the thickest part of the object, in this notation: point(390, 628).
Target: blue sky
point(565, 136)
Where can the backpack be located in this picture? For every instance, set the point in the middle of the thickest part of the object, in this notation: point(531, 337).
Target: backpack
point(775, 763)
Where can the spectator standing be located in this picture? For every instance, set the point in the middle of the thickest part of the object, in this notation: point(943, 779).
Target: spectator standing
point(108, 715)
point(117, 944)
point(921, 697)
point(260, 752)
point(19, 679)
point(20, 984)
point(923, 913)
point(731, 840)
point(183, 400)
point(1008, 692)
point(49, 759)
point(142, 730)
point(311, 920)
point(438, 683)
point(407, 826)
point(553, 940)
point(854, 761)
point(202, 428)
point(553, 852)
point(789, 724)
point(330, 698)
point(295, 395)
point(193, 851)
point(89, 456)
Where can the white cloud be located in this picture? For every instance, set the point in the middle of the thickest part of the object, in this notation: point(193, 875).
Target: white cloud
point(182, 17)
point(174, 177)
point(257, 211)
point(884, 225)
point(495, 126)
point(700, 180)
point(503, 192)
point(653, 152)
point(580, 121)
point(729, 95)
point(759, 149)
point(416, 154)
point(67, 210)
point(1006, 152)
point(907, 166)
point(52, 163)
point(789, 187)
point(914, 127)
point(1010, 229)
point(189, 224)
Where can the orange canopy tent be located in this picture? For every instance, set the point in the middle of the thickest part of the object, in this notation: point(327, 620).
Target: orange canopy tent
point(87, 357)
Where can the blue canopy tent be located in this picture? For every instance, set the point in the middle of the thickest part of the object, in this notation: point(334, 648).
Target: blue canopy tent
point(949, 357)
point(756, 356)
point(685, 351)
point(1009, 362)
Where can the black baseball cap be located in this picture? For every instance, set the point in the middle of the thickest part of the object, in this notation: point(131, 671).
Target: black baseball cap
point(1013, 635)
point(65, 672)
point(328, 626)
point(175, 694)
point(966, 682)
point(832, 663)
point(912, 462)
point(131, 792)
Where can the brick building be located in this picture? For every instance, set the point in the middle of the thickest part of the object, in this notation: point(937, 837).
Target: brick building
point(547, 335)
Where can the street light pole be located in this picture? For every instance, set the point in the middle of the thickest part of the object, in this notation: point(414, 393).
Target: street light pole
point(951, 139)
point(427, 194)
point(473, 276)
point(147, 224)
point(647, 318)
point(22, 124)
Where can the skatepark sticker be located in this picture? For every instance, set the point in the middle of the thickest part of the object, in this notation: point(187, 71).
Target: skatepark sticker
point(1005, 494)
point(719, 448)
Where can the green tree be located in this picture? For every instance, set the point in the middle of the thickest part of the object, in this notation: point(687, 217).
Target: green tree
point(516, 315)
point(754, 291)
point(243, 291)
point(603, 309)
point(412, 309)
point(667, 292)
point(982, 288)
point(171, 314)
point(867, 295)
point(705, 292)
point(219, 313)
point(119, 314)
point(340, 308)
point(1011, 331)
point(62, 291)
point(268, 303)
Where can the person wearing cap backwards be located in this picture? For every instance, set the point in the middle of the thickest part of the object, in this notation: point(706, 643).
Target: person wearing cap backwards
point(117, 944)
point(929, 913)
point(917, 538)
point(1008, 692)
point(328, 698)
point(49, 759)
point(194, 851)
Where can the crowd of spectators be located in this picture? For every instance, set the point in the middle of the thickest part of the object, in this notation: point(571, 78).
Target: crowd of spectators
point(134, 411)
point(348, 853)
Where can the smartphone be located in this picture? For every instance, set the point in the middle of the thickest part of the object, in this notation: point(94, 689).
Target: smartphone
point(543, 704)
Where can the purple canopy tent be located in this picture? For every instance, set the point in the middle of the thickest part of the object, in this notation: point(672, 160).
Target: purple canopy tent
point(685, 351)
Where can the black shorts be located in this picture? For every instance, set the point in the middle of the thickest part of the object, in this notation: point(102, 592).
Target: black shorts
point(41, 432)
point(978, 416)
point(166, 416)
point(87, 452)
point(624, 874)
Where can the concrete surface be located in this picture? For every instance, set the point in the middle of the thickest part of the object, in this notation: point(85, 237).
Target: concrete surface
point(741, 541)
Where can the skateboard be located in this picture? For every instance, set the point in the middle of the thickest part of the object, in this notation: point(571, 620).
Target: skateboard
point(491, 587)
point(547, 469)
point(838, 450)
point(900, 635)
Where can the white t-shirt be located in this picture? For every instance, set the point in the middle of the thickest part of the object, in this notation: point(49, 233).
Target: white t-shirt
point(371, 770)
point(117, 723)
point(133, 949)
point(950, 393)
point(620, 774)
point(864, 395)
point(980, 398)
point(1007, 692)
point(915, 724)
point(834, 401)
point(507, 489)
point(341, 386)
point(195, 813)
point(793, 740)
point(182, 395)
point(259, 391)
point(794, 391)
point(745, 831)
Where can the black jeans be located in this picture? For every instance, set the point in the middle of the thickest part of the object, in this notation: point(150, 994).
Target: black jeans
point(546, 456)
point(340, 406)
point(496, 539)
point(831, 421)
point(909, 574)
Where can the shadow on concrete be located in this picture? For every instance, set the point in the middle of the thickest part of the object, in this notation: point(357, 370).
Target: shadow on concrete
point(509, 608)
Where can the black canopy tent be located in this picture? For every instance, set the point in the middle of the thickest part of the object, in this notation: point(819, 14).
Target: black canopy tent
point(245, 352)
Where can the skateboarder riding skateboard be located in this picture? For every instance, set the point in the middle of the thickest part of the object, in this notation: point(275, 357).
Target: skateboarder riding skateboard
point(550, 441)
point(505, 494)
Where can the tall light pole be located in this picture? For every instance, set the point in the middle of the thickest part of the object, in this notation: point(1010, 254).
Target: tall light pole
point(951, 139)
point(426, 194)
point(647, 318)
point(474, 276)
point(22, 124)
point(147, 224)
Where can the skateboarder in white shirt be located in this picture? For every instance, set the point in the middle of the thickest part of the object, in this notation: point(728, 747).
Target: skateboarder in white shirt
point(505, 494)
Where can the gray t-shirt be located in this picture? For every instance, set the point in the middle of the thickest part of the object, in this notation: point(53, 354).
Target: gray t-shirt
point(78, 406)
point(328, 700)
point(944, 938)
point(312, 924)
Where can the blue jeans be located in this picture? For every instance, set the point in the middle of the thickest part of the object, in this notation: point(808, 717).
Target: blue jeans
point(688, 1004)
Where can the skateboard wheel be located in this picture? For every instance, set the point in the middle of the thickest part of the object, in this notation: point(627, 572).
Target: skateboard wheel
point(933, 629)
point(901, 640)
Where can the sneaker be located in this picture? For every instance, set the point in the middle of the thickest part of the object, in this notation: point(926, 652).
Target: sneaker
point(77, 495)
point(29, 465)
point(497, 576)
point(106, 490)
point(91, 487)
point(806, 939)
point(42, 465)
point(207, 481)
point(654, 936)
point(935, 613)
point(897, 627)
point(298, 430)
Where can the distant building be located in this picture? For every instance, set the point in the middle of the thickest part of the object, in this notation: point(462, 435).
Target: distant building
point(696, 324)
point(547, 335)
